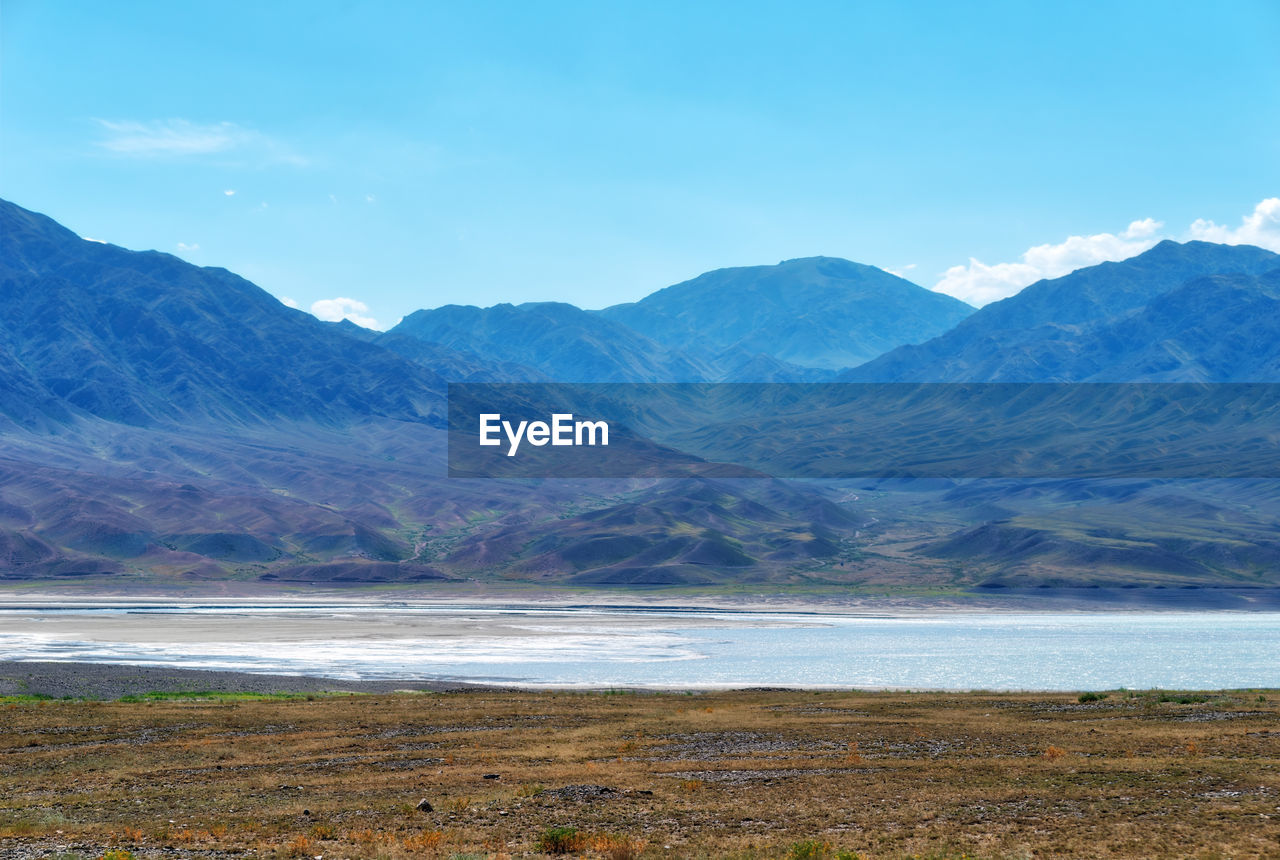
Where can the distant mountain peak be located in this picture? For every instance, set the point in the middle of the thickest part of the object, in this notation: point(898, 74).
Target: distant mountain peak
point(1108, 321)
point(821, 260)
point(817, 312)
point(145, 338)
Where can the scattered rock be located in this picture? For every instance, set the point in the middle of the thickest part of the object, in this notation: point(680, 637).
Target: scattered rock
point(709, 745)
point(493, 776)
point(406, 763)
point(769, 777)
point(581, 792)
point(424, 805)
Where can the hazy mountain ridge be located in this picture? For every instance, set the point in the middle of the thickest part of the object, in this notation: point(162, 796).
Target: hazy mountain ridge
point(1222, 328)
point(798, 321)
point(556, 339)
point(144, 338)
point(819, 312)
point(561, 342)
point(686, 532)
point(1097, 323)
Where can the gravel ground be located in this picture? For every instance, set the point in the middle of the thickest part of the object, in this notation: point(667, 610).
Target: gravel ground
point(20, 849)
point(106, 681)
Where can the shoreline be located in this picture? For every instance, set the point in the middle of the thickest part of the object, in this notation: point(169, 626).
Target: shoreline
point(1030, 601)
point(109, 681)
point(94, 681)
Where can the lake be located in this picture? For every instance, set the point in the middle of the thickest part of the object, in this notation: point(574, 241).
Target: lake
point(690, 648)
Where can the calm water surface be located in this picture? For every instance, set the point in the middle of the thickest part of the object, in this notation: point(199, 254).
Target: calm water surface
point(594, 647)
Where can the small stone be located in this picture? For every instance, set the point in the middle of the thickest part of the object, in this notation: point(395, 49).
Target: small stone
point(493, 776)
point(424, 805)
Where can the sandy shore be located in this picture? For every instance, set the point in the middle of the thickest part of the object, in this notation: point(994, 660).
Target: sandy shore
point(273, 622)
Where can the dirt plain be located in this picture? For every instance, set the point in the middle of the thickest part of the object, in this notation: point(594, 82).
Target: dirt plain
point(750, 773)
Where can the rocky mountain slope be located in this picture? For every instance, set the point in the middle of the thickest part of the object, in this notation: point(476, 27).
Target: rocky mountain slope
point(820, 312)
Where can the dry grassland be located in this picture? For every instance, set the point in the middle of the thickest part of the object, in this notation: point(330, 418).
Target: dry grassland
point(735, 774)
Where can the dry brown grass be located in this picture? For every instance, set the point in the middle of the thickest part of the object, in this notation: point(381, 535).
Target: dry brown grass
point(739, 774)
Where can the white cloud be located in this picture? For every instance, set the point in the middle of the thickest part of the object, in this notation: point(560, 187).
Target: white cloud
point(288, 302)
point(183, 246)
point(230, 192)
point(1143, 229)
point(182, 138)
point(171, 137)
point(333, 310)
point(369, 198)
point(979, 283)
point(1261, 228)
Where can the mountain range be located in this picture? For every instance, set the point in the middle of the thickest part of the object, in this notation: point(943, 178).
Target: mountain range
point(558, 340)
point(798, 321)
point(143, 338)
point(1178, 313)
point(163, 424)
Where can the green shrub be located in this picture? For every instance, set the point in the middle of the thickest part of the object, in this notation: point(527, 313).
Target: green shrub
point(1092, 697)
point(816, 849)
point(561, 840)
point(1164, 696)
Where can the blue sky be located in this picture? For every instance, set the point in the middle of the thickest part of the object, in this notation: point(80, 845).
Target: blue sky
point(407, 155)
